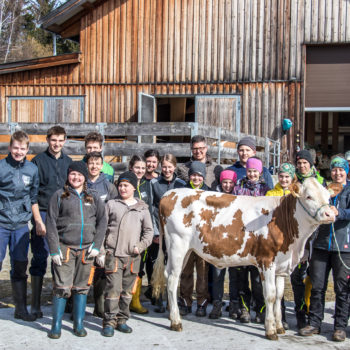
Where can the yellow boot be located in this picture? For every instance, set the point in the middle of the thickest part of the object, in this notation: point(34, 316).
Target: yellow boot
point(308, 287)
point(135, 304)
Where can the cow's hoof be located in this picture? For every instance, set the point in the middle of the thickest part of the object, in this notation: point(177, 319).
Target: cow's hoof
point(281, 330)
point(176, 327)
point(272, 336)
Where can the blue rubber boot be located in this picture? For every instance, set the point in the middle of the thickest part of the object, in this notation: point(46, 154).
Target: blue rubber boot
point(79, 305)
point(57, 313)
point(108, 331)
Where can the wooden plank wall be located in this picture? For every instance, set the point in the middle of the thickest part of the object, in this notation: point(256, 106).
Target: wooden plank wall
point(250, 47)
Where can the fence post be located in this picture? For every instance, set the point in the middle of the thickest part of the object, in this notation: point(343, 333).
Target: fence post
point(267, 153)
point(194, 129)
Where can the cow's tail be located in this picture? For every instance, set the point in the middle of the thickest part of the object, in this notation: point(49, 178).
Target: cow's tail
point(158, 277)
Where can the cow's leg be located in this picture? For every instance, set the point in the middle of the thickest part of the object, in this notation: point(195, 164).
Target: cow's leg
point(279, 295)
point(176, 256)
point(269, 287)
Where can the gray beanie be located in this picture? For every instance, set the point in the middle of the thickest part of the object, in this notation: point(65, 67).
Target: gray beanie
point(197, 167)
point(247, 141)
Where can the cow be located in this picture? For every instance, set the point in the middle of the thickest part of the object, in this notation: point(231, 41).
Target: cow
point(227, 230)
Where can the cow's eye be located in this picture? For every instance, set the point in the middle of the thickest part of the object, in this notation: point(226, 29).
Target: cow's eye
point(309, 198)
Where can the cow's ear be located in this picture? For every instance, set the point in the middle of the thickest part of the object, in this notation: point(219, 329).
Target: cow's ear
point(294, 189)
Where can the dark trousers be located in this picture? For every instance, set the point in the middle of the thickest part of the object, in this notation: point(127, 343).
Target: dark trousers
point(243, 287)
point(40, 251)
point(18, 243)
point(322, 261)
point(151, 257)
point(297, 280)
point(218, 283)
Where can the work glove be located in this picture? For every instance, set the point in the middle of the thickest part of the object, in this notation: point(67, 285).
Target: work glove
point(57, 259)
point(92, 252)
point(100, 260)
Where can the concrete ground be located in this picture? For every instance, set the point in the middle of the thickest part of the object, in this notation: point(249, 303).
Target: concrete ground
point(152, 331)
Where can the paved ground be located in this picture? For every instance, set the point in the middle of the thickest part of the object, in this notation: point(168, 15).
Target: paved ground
point(152, 332)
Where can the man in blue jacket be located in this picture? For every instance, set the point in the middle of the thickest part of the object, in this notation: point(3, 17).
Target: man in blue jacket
point(19, 182)
point(52, 167)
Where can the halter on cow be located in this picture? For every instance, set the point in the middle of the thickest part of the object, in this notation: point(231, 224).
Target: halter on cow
point(225, 230)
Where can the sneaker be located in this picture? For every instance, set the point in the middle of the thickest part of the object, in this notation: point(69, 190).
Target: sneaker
point(339, 335)
point(201, 311)
point(309, 330)
point(245, 316)
point(216, 310)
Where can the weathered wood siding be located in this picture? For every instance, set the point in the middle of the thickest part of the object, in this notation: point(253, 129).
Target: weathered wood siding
point(250, 47)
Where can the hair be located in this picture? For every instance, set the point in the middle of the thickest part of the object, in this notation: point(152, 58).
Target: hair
point(19, 136)
point(169, 158)
point(94, 155)
point(134, 159)
point(94, 137)
point(152, 153)
point(56, 130)
point(197, 139)
point(88, 198)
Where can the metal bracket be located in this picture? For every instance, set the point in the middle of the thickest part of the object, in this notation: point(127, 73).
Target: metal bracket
point(13, 127)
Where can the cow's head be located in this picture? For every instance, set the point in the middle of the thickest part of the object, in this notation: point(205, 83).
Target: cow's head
point(314, 199)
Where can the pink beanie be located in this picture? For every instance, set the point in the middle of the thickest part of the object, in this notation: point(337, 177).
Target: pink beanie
point(255, 163)
point(228, 175)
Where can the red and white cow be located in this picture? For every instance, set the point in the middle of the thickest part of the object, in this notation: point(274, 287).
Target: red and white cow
point(225, 230)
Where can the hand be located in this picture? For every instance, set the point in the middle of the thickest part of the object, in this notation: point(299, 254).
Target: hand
point(57, 259)
point(100, 260)
point(92, 252)
point(305, 257)
point(40, 228)
point(156, 239)
point(136, 251)
point(335, 210)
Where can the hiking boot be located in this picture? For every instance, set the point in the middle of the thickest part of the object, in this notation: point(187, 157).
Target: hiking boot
point(201, 311)
point(184, 309)
point(245, 316)
point(216, 310)
point(301, 319)
point(309, 330)
point(339, 335)
point(233, 310)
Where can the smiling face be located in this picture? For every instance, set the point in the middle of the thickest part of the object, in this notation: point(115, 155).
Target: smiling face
point(139, 169)
point(199, 151)
point(18, 150)
point(303, 166)
point(253, 174)
point(284, 180)
point(126, 190)
point(93, 146)
point(76, 180)
point(168, 170)
point(56, 143)
point(94, 166)
point(227, 185)
point(151, 164)
point(338, 175)
point(196, 180)
point(244, 153)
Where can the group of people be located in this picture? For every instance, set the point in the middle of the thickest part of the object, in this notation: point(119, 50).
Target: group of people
point(106, 234)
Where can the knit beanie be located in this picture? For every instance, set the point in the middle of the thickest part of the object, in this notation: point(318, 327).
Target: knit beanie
point(339, 162)
point(288, 169)
point(80, 167)
point(197, 167)
point(228, 175)
point(254, 163)
point(128, 176)
point(304, 154)
point(247, 141)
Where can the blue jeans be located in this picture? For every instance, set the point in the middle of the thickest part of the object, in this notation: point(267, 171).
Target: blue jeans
point(18, 243)
point(40, 251)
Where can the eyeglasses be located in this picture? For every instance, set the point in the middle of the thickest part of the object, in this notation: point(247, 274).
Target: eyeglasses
point(198, 149)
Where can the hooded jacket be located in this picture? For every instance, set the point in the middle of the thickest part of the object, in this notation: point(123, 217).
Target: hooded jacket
point(246, 187)
point(104, 188)
point(74, 222)
point(128, 227)
point(19, 183)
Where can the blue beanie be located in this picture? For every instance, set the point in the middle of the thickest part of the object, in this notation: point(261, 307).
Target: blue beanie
point(339, 162)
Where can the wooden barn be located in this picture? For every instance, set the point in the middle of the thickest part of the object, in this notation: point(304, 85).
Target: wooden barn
point(243, 65)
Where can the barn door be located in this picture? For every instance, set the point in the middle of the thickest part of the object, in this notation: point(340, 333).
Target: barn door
point(222, 111)
point(146, 114)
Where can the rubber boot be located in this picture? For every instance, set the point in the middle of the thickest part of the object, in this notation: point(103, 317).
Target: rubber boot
point(37, 284)
point(307, 295)
point(19, 292)
point(135, 304)
point(79, 306)
point(99, 287)
point(301, 319)
point(58, 305)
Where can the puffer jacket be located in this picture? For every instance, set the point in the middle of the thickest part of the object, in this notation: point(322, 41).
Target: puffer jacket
point(19, 183)
point(278, 191)
point(246, 187)
point(128, 227)
point(74, 222)
point(104, 188)
point(325, 238)
point(159, 187)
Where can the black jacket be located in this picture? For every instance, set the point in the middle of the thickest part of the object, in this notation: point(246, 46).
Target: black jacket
point(325, 239)
point(52, 175)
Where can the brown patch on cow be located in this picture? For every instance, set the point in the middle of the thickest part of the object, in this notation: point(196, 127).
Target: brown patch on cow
point(216, 244)
point(208, 215)
point(167, 205)
point(282, 231)
point(190, 199)
point(220, 202)
point(265, 212)
point(262, 277)
point(187, 221)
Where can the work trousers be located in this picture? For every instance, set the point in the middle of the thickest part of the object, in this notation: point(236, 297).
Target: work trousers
point(75, 274)
point(187, 282)
point(121, 275)
point(18, 243)
point(322, 261)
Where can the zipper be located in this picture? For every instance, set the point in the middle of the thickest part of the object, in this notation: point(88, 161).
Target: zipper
point(82, 221)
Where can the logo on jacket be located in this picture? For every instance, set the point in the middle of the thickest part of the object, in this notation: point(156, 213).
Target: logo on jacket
point(26, 180)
